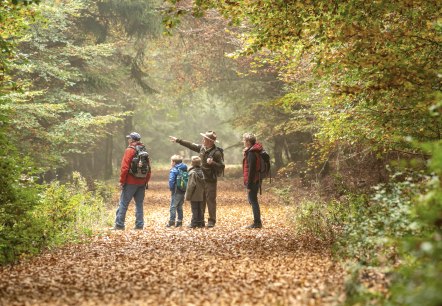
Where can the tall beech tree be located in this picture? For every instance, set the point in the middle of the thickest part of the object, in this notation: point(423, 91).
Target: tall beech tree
point(375, 64)
point(79, 74)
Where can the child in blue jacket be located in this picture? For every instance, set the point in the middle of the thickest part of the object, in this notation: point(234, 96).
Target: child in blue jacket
point(177, 195)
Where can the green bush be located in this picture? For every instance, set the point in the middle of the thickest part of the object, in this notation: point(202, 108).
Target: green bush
point(399, 234)
point(418, 279)
point(69, 212)
point(18, 197)
point(317, 220)
point(18, 231)
point(36, 217)
point(371, 229)
point(370, 226)
point(284, 193)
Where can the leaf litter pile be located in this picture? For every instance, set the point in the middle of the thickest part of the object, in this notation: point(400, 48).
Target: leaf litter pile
point(224, 265)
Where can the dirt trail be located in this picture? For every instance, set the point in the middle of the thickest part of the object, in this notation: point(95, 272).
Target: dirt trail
point(225, 265)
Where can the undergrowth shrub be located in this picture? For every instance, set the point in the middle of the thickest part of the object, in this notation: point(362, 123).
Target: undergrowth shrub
point(312, 218)
point(70, 211)
point(373, 234)
point(233, 171)
point(34, 217)
point(370, 235)
point(372, 225)
point(18, 232)
point(317, 220)
point(418, 281)
point(18, 197)
point(397, 233)
point(284, 194)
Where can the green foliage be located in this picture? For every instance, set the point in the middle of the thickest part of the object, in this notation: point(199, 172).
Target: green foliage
point(370, 226)
point(18, 198)
point(138, 18)
point(353, 64)
point(418, 281)
point(30, 220)
point(284, 194)
point(52, 108)
point(14, 19)
point(18, 194)
point(34, 218)
point(368, 233)
point(397, 232)
point(69, 84)
point(317, 220)
point(71, 211)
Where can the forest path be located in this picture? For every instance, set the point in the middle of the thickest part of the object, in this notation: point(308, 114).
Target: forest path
point(224, 265)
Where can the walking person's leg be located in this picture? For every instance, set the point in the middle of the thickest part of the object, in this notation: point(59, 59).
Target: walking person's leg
point(196, 212)
point(200, 214)
point(126, 195)
point(211, 203)
point(204, 203)
point(173, 204)
point(253, 200)
point(179, 208)
point(139, 206)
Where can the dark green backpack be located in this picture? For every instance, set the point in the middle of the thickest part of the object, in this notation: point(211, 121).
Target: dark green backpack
point(182, 179)
point(218, 172)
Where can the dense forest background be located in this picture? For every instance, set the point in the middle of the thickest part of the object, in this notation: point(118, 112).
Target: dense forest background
point(345, 95)
point(89, 74)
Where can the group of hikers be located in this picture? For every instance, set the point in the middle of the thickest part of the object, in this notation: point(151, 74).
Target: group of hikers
point(200, 178)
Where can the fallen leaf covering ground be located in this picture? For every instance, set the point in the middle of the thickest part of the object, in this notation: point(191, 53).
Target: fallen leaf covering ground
point(225, 265)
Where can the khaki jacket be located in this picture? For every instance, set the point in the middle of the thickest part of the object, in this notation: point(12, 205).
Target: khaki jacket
point(209, 170)
point(195, 185)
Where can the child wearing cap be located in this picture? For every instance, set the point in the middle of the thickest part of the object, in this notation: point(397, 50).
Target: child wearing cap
point(195, 192)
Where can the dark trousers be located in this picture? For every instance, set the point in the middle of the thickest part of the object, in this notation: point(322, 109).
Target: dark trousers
point(210, 201)
point(197, 213)
point(253, 200)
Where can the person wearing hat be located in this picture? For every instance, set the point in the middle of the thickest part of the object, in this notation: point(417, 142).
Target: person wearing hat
point(195, 192)
point(131, 186)
point(212, 164)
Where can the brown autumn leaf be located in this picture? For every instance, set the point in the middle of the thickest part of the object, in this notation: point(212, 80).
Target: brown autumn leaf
point(225, 265)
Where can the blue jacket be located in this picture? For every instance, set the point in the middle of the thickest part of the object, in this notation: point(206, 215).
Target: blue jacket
point(174, 173)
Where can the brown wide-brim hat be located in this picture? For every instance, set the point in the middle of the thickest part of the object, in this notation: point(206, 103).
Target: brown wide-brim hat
point(211, 135)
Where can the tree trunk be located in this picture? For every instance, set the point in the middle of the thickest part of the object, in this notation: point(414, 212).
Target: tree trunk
point(278, 150)
point(108, 155)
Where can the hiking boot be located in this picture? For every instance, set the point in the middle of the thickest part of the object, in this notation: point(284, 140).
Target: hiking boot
point(170, 224)
point(179, 224)
point(211, 224)
point(255, 225)
point(192, 225)
point(138, 228)
point(117, 228)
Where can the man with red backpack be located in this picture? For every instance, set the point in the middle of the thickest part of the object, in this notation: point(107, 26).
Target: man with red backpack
point(251, 173)
point(135, 174)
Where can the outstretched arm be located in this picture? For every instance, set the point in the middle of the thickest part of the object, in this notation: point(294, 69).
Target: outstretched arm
point(193, 146)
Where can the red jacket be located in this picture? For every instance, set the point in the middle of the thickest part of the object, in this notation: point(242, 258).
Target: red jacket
point(125, 176)
point(251, 164)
